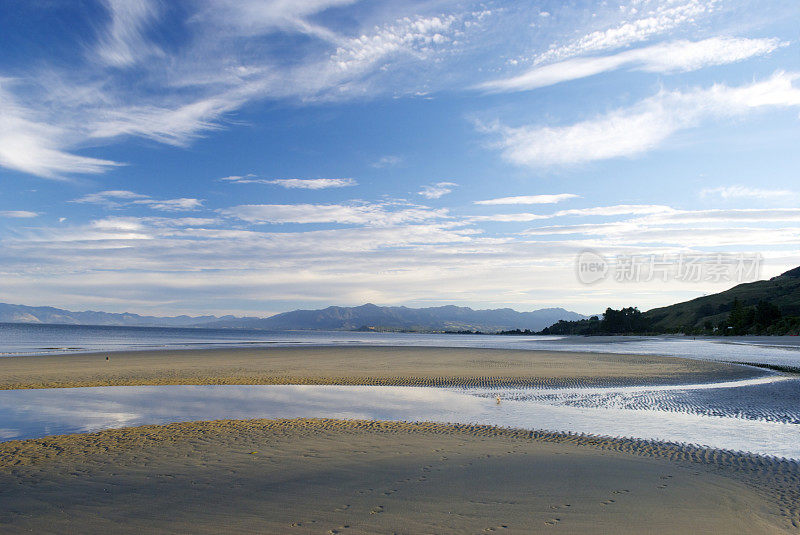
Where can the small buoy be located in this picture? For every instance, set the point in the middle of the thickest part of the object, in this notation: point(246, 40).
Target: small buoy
point(498, 400)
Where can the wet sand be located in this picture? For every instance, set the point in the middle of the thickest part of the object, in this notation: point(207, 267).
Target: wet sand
point(359, 365)
point(333, 476)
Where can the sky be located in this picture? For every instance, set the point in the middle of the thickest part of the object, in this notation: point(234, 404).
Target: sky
point(251, 157)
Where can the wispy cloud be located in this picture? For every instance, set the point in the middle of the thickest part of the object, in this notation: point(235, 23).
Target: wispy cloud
point(115, 199)
point(744, 192)
point(123, 43)
point(18, 214)
point(636, 26)
point(294, 183)
point(676, 56)
point(508, 218)
point(256, 17)
point(30, 143)
point(643, 127)
point(530, 199)
point(184, 93)
point(617, 209)
point(387, 161)
point(435, 191)
point(372, 214)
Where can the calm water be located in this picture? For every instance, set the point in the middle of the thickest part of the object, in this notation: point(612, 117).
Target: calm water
point(34, 413)
point(20, 339)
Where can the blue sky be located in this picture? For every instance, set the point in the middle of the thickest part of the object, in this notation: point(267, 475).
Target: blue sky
point(251, 157)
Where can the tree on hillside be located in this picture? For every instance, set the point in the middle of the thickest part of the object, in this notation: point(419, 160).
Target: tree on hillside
point(626, 320)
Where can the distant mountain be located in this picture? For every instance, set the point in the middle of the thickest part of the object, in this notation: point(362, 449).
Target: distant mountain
point(26, 314)
point(783, 292)
point(369, 317)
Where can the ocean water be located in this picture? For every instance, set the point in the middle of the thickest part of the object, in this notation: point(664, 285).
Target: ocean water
point(24, 339)
point(35, 413)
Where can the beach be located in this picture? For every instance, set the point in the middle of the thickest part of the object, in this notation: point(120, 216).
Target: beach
point(306, 475)
point(420, 366)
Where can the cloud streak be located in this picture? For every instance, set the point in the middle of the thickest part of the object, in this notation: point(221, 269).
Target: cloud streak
point(676, 56)
point(530, 199)
point(371, 214)
point(645, 126)
point(294, 183)
point(438, 190)
point(116, 199)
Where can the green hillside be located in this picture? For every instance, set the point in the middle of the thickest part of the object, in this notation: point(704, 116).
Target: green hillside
point(772, 304)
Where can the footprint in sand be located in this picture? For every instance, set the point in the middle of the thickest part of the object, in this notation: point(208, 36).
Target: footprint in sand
point(552, 521)
point(560, 506)
point(341, 508)
point(501, 526)
point(608, 502)
point(376, 510)
point(334, 531)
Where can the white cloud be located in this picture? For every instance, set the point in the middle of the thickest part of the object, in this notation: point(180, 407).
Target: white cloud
point(30, 143)
point(185, 91)
point(417, 36)
point(294, 183)
point(530, 199)
point(617, 209)
point(435, 191)
point(256, 17)
point(643, 127)
point(595, 211)
point(172, 125)
point(508, 218)
point(172, 205)
point(387, 161)
point(119, 198)
point(684, 228)
point(110, 198)
point(664, 17)
point(744, 192)
point(676, 56)
point(123, 43)
point(359, 214)
point(313, 183)
point(18, 214)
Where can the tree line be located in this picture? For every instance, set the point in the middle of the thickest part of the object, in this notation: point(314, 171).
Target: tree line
point(764, 318)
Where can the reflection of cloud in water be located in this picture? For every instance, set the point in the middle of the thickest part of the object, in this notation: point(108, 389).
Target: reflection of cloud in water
point(31, 413)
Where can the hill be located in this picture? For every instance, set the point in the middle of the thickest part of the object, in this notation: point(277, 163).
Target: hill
point(781, 293)
point(369, 316)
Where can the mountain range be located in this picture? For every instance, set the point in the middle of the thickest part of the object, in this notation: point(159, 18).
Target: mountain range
point(364, 317)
